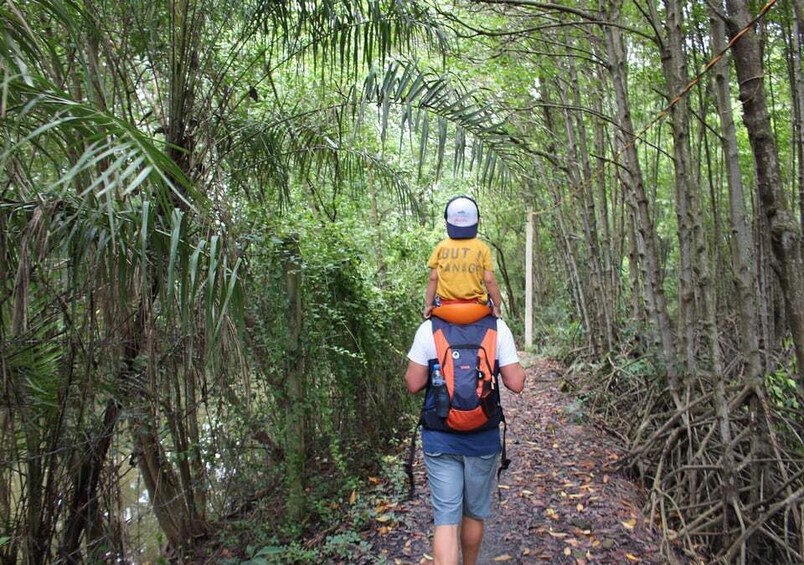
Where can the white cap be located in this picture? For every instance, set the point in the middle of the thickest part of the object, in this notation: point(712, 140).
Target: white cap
point(462, 216)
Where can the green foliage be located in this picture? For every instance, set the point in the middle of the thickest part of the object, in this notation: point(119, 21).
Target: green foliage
point(345, 546)
point(158, 158)
point(555, 331)
point(356, 330)
point(279, 555)
point(782, 389)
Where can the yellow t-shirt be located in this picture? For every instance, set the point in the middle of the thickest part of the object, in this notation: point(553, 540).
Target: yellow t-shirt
point(461, 265)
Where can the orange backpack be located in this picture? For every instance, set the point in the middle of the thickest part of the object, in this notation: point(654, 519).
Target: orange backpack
point(467, 355)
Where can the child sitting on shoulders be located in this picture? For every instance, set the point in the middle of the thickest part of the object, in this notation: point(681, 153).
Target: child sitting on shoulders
point(461, 270)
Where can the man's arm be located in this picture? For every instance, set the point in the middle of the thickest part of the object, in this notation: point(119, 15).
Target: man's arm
point(494, 291)
point(416, 377)
point(513, 377)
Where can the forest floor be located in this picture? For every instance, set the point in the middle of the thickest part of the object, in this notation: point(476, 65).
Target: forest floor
point(563, 501)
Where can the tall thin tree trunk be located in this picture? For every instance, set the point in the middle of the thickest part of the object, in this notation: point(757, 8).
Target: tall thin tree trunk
point(592, 290)
point(540, 283)
point(182, 420)
point(85, 484)
point(6, 453)
point(512, 303)
point(633, 181)
point(766, 288)
point(195, 462)
point(743, 271)
point(528, 282)
point(598, 295)
point(785, 231)
point(636, 284)
point(377, 227)
point(673, 67)
point(607, 226)
point(798, 99)
point(696, 292)
point(568, 249)
point(697, 295)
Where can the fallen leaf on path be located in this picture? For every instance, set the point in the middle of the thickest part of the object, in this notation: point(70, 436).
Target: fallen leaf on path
point(629, 523)
point(384, 518)
point(385, 506)
point(503, 557)
point(631, 557)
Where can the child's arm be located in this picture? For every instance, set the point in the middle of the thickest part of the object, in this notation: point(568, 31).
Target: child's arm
point(429, 293)
point(494, 291)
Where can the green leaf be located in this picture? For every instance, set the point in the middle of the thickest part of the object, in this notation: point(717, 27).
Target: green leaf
point(175, 238)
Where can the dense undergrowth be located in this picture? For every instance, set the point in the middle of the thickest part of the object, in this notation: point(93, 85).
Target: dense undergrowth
point(355, 412)
point(718, 501)
point(722, 459)
point(340, 508)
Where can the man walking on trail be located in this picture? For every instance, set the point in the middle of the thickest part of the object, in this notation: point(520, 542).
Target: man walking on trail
point(460, 465)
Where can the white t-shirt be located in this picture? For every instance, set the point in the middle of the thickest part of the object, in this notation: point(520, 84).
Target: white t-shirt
point(424, 348)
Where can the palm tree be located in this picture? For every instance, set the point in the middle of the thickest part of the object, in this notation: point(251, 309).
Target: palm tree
point(127, 127)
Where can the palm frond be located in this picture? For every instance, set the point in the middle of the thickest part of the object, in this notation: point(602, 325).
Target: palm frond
point(417, 97)
point(345, 34)
point(326, 145)
point(83, 149)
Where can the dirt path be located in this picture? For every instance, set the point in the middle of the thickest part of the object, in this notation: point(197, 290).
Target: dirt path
point(561, 501)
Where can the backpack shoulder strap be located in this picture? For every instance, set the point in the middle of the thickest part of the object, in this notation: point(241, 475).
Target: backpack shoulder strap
point(410, 459)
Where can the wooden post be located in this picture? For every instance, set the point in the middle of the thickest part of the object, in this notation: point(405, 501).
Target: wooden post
point(295, 432)
point(529, 281)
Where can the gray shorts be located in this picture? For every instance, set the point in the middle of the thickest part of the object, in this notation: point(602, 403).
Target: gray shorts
point(460, 486)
